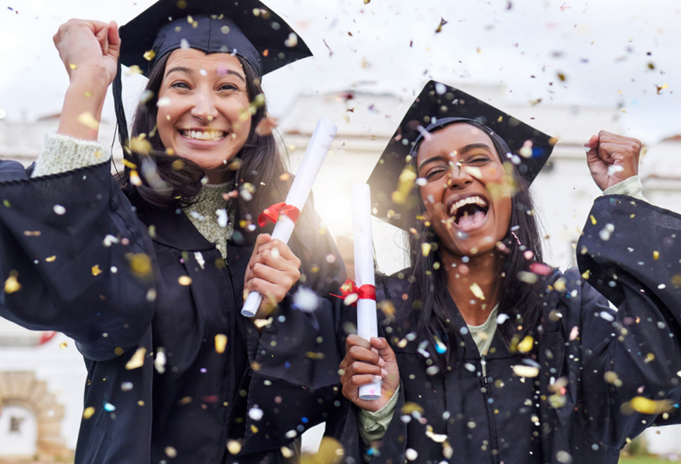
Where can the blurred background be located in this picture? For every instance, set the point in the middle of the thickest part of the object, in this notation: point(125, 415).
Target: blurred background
point(570, 68)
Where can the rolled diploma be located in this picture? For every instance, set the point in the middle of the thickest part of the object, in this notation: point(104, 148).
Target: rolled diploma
point(367, 324)
point(300, 189)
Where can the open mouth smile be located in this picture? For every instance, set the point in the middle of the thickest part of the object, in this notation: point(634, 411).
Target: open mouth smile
point(469, 212)
point(208, 135)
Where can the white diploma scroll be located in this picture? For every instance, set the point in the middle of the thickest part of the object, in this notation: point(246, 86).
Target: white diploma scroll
point(367, 323)
point(300, 189)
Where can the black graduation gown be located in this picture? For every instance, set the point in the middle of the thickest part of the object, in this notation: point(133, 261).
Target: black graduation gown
point(126, 283)
point(467, 417)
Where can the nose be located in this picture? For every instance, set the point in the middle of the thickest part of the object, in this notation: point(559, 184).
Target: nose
point(204, 108)
point(458, 177)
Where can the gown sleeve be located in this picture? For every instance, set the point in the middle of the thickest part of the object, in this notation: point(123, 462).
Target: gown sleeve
point(73, 259)
point(296, 358)
point(629, 253)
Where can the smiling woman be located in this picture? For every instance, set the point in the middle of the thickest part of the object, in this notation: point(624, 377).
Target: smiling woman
point(489, 355)
point(147, 271)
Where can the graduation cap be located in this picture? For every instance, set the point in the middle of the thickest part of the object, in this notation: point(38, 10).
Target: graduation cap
point(439, 105)
point(246, 28)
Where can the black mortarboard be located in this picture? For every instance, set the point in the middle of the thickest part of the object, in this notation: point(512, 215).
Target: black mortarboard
point(246, 28)
point(439, 105)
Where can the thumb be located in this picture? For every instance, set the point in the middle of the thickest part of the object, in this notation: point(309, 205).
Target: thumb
point(114, 39)
point(384, 351)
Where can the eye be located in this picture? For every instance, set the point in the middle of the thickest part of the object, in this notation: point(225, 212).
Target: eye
point(478, 160)
point(179, 85)
point(228, 87)
point(435, 173)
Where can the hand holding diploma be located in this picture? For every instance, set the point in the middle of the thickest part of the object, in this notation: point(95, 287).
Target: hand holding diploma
point(286, 214)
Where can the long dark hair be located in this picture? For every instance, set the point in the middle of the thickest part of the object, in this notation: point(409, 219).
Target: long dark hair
point(519, 300)
point(166, 183)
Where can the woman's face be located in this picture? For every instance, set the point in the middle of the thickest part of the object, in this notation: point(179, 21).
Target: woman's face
point(467, 193)
point(203, 108)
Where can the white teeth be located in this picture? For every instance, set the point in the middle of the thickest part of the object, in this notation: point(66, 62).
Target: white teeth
point(203, 135)
point(467, 201)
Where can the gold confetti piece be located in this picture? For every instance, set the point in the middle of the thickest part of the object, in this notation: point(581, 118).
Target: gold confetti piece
point(12, 284)
point(96, 270)
point(613, 378)
point(656, 255)
point(134, 70)
point(525, 371)
point(184, 401)
point(135, 178)
point(234, 446)
point(650, 357)
point(525, 346)
point(137, 359)
point(32, 233)
point(140, 264)
point(260, 323)
point(439, 28)
point(182, 4)
point(88, 94)
point(425, 249)
point(286, 452)
point(560, 284)
point(73, 66)
point(527, 277)
point(404, 186)
point(63, 345)
point(140, 145)
point(150, 54)
point(411, 407)
point(477, 291)
point(646, 406)
point(185, 281)
point(593, 219)
point(128, 164)
point(88, 412)
point(171, 452)
point(220, 343)
point(88, 120)
point(586, 274)
point(436, 437)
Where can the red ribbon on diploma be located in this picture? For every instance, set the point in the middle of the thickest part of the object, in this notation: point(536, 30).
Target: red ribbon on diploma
point(273, 212)
point(365, 292)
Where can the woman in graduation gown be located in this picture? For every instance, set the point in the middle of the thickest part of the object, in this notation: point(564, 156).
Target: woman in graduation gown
point(147, 272)
point(490, 356)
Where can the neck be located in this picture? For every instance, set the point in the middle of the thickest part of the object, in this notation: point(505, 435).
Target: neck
point(219, 175)
point(468, 282)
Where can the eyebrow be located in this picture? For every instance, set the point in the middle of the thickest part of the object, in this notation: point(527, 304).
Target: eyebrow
point(463, 151)
point(190, 71)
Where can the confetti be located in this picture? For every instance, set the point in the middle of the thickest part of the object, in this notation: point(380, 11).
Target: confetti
point(88, 413)
point(305, 299)
point(266, 126)
point(220, 343)
point(88, 120)
point(185, 281)
point(404, 186)
point(160, 361)
point(425, 249)
point(646, 406)
point(234, 446)
point(149, 55)
point(525, 346)
point(292, 40)
point(137, 359)
point(477, 291)
point(96, 270)
point(442, 23)
point(140, 264)
point(171, 452)
point(59, 210)
point(255, 413)
point(11, 284)
point(525, 371)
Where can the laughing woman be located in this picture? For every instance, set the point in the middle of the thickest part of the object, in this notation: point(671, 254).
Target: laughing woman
point(491, 356)
point(147, 272)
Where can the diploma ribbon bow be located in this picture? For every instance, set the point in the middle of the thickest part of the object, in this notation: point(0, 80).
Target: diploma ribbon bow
point(349, 289)
point(273, 212)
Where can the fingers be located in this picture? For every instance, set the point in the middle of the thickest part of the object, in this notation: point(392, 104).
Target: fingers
point(356, 340)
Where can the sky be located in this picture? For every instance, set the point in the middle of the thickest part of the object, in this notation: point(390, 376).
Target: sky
point(620, 53)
